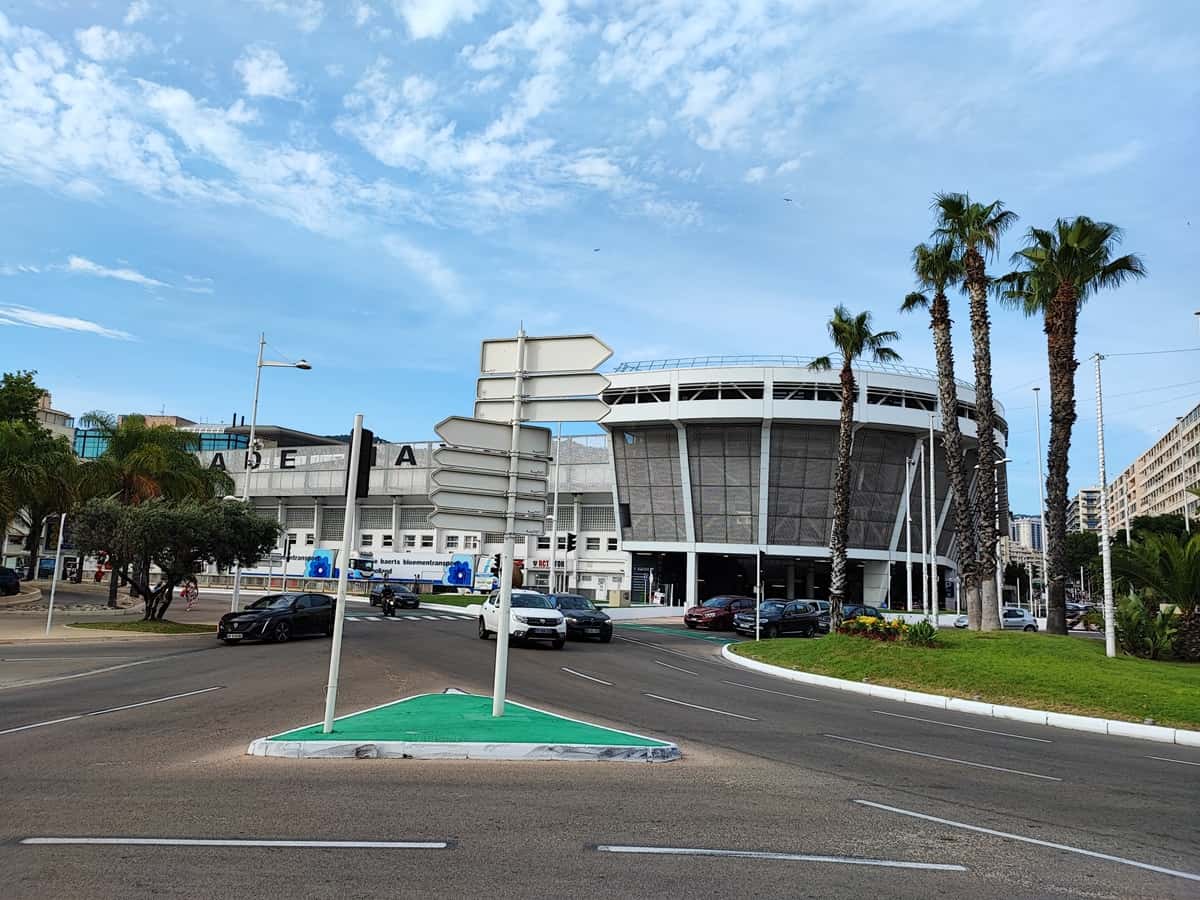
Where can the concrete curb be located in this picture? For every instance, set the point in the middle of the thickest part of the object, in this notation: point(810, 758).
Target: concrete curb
point(1114, 727)
point(22, 597)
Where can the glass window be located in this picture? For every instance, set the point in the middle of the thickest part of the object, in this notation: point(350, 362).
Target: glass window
point(452, 542)
point(716, 602)
point(410, 540)
point(470, 542)
point(544, 542)
point(593, 543)
point(426, 541)
point(387, 540)
point(309, 539)
point(367, 540)
point(612, 543)
point(562, 542)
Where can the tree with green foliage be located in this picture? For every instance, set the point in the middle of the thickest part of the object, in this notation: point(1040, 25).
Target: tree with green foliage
point(973, 230)
point(853, 339)
point(19, 397)
point(174, 537)
point(1062, 267)
point(37, 478)
point(1165, 571)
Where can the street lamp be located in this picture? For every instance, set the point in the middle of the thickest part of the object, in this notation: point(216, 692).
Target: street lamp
point(304, 366)
point(999, 565)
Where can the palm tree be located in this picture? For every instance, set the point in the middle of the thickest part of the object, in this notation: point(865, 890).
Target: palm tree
point(1064, 265)
point(937, 268)
point(853, 338)
point(1166, 570)
point(973, 230)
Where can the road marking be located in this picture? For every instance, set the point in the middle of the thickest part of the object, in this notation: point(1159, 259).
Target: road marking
point(764, 854)
point(371, 618)
point(1029, 840)
point(112, 709)
point(961, 762)
point(430, 618)
point(204, 842)
point(751, 687)
point(659, 662)
point(719, 712)
point(966, 727)
point(588, 677)
point(140, 662)
point(55, 658)
point(1182, 762)
point(657, 647)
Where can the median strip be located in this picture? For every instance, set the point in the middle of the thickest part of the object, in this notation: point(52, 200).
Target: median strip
point(767, 854)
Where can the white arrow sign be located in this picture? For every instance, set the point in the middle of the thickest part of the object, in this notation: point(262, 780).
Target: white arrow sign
point(496, 504)
point(456, 521)
point(564, 353)
point(465, 480)
point(464, 458)
point(582, 384)
point(582, 409)
point(463, 432)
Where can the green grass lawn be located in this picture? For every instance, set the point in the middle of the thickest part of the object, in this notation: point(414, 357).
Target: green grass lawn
point(453, 599)
point(1061, 674)
point(164, 627)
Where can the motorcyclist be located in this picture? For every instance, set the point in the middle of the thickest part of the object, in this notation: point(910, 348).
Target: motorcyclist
point(387, 600)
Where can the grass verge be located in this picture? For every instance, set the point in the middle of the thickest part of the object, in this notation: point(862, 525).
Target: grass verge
point(1041, 671)
point(164, 627)
point(454, 599)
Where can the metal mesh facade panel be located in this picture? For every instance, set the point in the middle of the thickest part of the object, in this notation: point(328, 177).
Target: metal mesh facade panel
point(649, 480)
point(597, 518)
point(724, 464)
point(800, 493)
point(331, 523)
point(298, 516)
point(415, 516)
point(375, 517)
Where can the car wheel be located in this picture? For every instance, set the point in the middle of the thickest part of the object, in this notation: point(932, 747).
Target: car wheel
point(691, 624)
point(374, 601)
point(282, 633)
point(606, 638)
point(770, 632)
point(228, 643)
point(329, 628)
point(484, 634)
point(1030, 628)
point(559, 643)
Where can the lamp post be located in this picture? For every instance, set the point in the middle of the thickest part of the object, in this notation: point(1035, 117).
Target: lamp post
point(304, 366)
point(999, 564)
point(1037, 426)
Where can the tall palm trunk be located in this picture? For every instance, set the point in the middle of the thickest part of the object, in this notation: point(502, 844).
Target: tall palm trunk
point(1062, 320)
point(841, 500)
point(985, 546)
point(940, 324)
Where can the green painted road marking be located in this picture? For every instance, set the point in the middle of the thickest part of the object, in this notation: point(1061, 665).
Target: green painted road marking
point(464, 718)
point(681, 632)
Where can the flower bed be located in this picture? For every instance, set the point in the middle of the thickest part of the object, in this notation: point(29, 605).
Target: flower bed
point(873, 628)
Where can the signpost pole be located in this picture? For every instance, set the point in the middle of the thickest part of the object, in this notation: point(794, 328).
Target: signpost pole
point(1110, 635)
point(62, 526)
point(506, 574)
point(339, 611)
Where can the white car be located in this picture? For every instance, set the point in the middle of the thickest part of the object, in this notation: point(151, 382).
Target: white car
point(532, 617)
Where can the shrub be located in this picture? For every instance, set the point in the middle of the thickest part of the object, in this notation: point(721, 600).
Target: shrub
point(922, 633)
point(1144, 630)
point(873, 628)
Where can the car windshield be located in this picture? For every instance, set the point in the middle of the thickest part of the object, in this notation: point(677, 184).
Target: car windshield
point(531, 601)
point(273, 601)
point(572, 601)
point(772, 605)
point(717, 603)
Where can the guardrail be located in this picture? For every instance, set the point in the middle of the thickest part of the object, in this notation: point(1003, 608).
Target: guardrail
point(706, 362)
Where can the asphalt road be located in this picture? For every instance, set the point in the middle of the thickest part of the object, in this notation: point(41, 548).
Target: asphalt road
point(769, 766)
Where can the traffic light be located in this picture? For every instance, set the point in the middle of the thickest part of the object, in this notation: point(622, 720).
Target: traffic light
point(366, 458)
point(496, 565)
point(570, 541)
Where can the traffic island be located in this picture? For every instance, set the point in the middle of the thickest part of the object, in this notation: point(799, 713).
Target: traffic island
point(461, 726)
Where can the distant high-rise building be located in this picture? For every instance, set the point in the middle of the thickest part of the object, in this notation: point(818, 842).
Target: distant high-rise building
point(1083, 512)
point(1156, 484)
point(1026, 531)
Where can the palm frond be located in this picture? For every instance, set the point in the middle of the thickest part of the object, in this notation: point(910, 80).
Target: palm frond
point(821, 364)
point(913, 302)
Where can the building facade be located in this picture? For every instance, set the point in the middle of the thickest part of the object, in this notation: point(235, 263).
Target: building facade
point(1083, 511)
point(1157, 482)
point(1026, 531)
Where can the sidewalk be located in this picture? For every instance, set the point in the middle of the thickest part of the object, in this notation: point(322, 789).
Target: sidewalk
point(455, 725)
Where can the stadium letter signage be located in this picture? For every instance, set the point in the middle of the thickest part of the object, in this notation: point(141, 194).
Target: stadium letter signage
point(407, 457)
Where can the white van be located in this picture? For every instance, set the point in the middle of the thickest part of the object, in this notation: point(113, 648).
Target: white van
point(531, 618)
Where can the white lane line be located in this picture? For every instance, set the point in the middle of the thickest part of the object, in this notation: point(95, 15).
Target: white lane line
point(113, 709)
point(965, 727)
point(659, 662)
point(751, 687)
point(371, 618)
point(657, 647)
point(719, 712)
point(1182, 762)
point(1029, 840)
point(56, 658)
point(764, 854)
point(430, 618)
point(40, 724)
point(961, 762)
point(204, 842)
point(450, 618)
point(588, 677)
point(41, 681)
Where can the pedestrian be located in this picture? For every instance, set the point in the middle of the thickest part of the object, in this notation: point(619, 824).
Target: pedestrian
point(191, 591)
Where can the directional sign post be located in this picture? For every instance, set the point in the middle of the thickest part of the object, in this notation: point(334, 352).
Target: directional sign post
point(493, 470)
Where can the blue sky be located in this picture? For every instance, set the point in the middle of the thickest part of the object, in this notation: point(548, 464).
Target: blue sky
point(378, 184)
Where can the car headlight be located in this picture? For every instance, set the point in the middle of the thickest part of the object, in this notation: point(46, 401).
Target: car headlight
point(572, 620)
point(521, 619)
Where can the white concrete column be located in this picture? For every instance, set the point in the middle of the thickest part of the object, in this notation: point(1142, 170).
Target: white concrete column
point(810, 582)
point(693, 588)
point(395, 523)
point(876, 577)
point(791, 580)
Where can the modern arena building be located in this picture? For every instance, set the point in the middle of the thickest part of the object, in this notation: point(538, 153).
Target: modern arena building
point(702, 464)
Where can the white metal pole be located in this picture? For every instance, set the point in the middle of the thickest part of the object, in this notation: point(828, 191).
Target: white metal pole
point(62, 525)
point(924, 548)
point(1110, 634)
point(237, 572)
point(554, 518)
point(933, 579)
point(506, 572)
point(339, 612)
point(999, 566)
point(1037, 427)
point(908, 528)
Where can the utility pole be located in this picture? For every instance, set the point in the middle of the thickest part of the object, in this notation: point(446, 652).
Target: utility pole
point(1110, 635)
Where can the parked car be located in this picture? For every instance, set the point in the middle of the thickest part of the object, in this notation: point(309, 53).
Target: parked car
point(10, 582)
point(279, 618)
point(1076, 612)
point(389, 599)
point(1013, 619)
point(582, 617)
point(784, 617)
point(717, 612)
point(854, 610)
point(532, 618)
point(960, 622)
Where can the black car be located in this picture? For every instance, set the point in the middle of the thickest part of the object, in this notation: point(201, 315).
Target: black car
point(279, 618)
point(10, 582)
point(391, 599)
point(583, 619)
point(783, 617)
point(854, 610)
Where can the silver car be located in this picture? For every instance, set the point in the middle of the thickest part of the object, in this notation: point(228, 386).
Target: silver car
point(1012, 619)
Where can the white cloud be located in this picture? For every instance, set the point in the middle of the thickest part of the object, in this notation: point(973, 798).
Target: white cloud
point(32, 318)
point(197, 285)
point(104, 44)
point(430, 18)
point(87, 267)
point(428, 266)
point(19, 269)
point(307, 14)
point(1104, 161)
point(788, 166)
point(138, 10)
point(755, 175)
point(264, 73)
point(363, 13)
